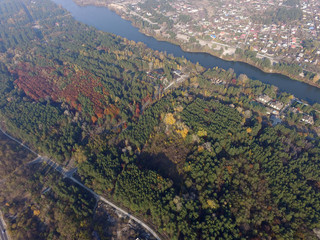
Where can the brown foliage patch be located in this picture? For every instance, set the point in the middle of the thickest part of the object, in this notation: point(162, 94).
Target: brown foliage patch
point(41, 82)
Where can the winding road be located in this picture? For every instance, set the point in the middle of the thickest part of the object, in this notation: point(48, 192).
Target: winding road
point(68, 174)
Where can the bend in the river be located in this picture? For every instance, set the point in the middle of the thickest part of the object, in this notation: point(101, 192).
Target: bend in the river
point(104, 19)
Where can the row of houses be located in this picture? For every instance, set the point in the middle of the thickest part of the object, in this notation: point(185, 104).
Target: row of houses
point(277, 106)
point(266, 100)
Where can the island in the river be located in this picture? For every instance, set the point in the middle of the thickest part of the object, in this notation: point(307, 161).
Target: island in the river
point(276, 36)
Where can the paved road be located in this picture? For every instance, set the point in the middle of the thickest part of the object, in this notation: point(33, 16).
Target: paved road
point(142, 17)
point(67, 174)
point(118, 208)
point(17, 141)
point(98, 197)
point(179, 80)
point(3, 233)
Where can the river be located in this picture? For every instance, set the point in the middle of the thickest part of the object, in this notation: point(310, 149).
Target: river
point(106, 20)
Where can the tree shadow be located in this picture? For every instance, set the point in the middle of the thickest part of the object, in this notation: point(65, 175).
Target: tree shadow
point(161, 164)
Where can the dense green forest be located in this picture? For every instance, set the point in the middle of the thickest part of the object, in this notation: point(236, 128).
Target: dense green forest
point(200, 160)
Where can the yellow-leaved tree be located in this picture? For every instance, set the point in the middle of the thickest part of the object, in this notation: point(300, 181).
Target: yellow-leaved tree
point(183, 132)
point(202, 133)
point(212, 204)
point(169, 119)
point(36, 212)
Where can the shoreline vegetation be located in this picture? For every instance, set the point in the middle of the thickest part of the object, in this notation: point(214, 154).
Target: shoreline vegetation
point(192, 48)
point(198, 153)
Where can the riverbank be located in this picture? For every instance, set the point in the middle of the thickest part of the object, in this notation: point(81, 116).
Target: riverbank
point(229, 58)
point(223, 54)
point(106, 20)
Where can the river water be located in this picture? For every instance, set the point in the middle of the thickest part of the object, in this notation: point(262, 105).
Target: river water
point(105, 20)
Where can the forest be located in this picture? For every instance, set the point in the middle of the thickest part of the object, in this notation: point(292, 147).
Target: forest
point(11, 156)
point(39, 204)
point(199, 160)
point(290, 12)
